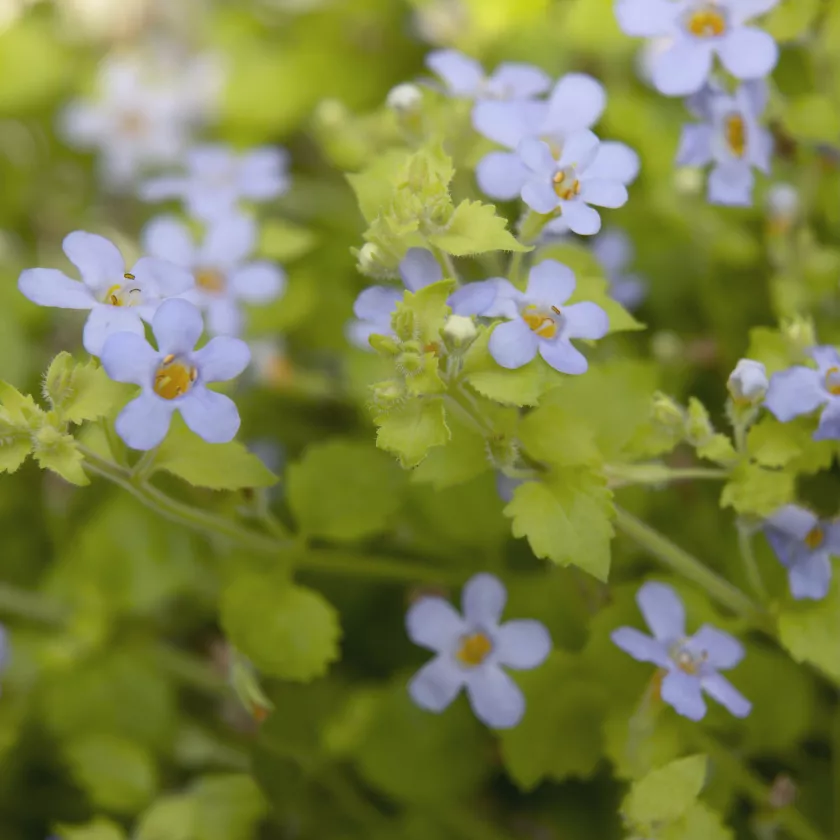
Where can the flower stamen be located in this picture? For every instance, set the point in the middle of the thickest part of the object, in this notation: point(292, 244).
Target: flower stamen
point(815, 537)
point(566, 186)
point(706, 22)
point(473, 650)
point(210, 280)
point(832, 381)
point(735, 132)
point(173, 378)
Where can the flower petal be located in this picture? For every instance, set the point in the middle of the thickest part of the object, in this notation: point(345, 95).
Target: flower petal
point(51, 287)
point(826, 357)
point(719, 688)
point(522, 644)
point(162, 278)
point(358, 333)
point(501, 175)
point(683, 67)
point(662, 610)
point(516, 80)
point(213, 417)
point(228, 241)
point(513, 344)
point(721, 650)
point(177, 326)
point(463, 75)
point(222, 358)
point(682, 691)
point(104, 321)
point(563, 357)
point(731, 184)
point(436, 684)
point(580, 217)
point(614, 162)
point(257, 282)
point(646, 18)
point(793, 521)
point(495, 698)
point(262, 173)
point(224, 317)
point(695, 147)
point(829, 427)
point(144, 422)
point(167, 238)
point(507, 123)
point(550, 282)
point(576, 103)
point(585, 320)
point(99, 261)
point(748, 53)
point(434, 623)
point(376, 303)
point(795, 391)
point(482, 600)
point(128, 357)
point(613, 248)
point(603, 193)
point(810, 578)
point(537, 157)
point(419, 268)
point(473, 298)
point(539, 195)
point(641, 647)
point(580, 150)
point(160, 189)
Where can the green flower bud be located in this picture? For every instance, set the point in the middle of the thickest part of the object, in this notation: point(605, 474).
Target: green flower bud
point(458, 332)
point(667, 413)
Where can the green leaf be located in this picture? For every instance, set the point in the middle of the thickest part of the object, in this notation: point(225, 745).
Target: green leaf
point(284, 241)
point(755, 490)
point(718, 448)
point(81, 392)
point(420, 315)
point(551, 434)
point(476, 229)
point(374, 186)
point(791, 19)
point(774, 444)
point(460, 462)
point(666, 794)
point(15, 444)
point(566, 518)
point(813, 117)
point(118, 775)
point(810, 631)
point(560, 736)
point(698, 823)
point(98, 829)
point(20, 410)
point(57, 451)
point(343, 490)
point(287, 631)
point(769, 347)
point(169, 818)
point(217, 466)
point(228, 807)
point(412, 429)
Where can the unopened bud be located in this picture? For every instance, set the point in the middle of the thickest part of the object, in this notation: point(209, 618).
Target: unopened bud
point(782, 202)
point(689, 180)
point(404, 98)
point(667, 413)
point(748, 383)
point(458, 331)
point(371, 260)
point(800, 335)
point(699, 426)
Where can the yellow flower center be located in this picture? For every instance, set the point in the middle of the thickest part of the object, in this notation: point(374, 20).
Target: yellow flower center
point(123, 294)
point(173, 378)
point(735, 131)
point(706, 22)
point(543, 322)
point(565, 184)
point(474, 649)
point(832, 381)
point(814, 538)
point(134, 123)
point(687, 662)
point(210, 280)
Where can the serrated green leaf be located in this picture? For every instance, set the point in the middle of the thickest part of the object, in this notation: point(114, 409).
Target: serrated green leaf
point(551, 434)
point(98, 829)
point(757, 491)
point(287, 631)
point(698, 823)
point(57, 451)
point(169, 818)
point(15, 444)
point(460, 462)
point(412, 429)
point(566, 518)
point(773, 444)
point(476, 229)
point(284, 241)
point(343, 490)
point(21, 410)
point(228, 807)
point(80, 392)
point(420, 315)
point(217, 466)
point(667, 793)
point(810, 631)
point(374, 186)
point(718, 448)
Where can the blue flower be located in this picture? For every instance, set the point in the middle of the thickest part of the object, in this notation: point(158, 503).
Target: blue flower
point(465, 77)
point(174, 377)
point(730, 138)
point(539, 320)
point(801, 390)
point(472, 651)
point(614, 250)
point(576, 103)
point(571, 182)
point(698, 30)
point(691, 663)
point(803, 543)
point(748, 383)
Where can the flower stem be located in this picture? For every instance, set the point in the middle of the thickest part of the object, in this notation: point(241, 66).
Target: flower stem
point(624, 475)
point(447, 263)
point(688, 566)
point(144, 466)
point(750, 565)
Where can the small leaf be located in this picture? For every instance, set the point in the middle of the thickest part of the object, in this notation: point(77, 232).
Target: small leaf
point(99, 829)
point(717, 448)
point(773, 444)
point(57, 451)
point(698, 823)
point(228, 807)
point(476, 229)
point(375, 185)
point(813, 117)
point(20, 410)
point(810, 632)
point(15, 444)
point(551, 434)
point(458, 463)
point(412, 429)
point(666, 794)
point(754, 490)
point(81, 392)
point(420, 315)
point(169, 818)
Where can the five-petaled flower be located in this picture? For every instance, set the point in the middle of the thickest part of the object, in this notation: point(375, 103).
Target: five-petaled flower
point(801, 390)
point(804, 545)
point(174, 377)
point(465, 77)
point(690, 663)
point(748, 383)
point(224, 277)
point(117, 299)
point(729, 137)
point(218, 177)
point(571, 182)
point(539, 320)
point(698, 30)
point(472, 651)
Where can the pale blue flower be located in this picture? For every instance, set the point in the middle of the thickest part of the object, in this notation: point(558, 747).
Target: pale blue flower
point(174, 377)
point(699, 30)
point(730, 138)
point(472, 652)
point(613, 249)
point(748, 383)
point(465, 77)
point(804, 545)
point(225, 277)
point(800, 390)
point(539, 320)
point(691, 662)
point(572, 182)
point(118, 300)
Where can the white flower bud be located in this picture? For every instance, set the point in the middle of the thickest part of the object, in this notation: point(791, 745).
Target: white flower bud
point(459, 330)
point(406, 97)
point(782, 201)
point(748, 382)
point(370, 259)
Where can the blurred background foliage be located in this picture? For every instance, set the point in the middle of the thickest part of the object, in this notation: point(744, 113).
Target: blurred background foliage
point(117, 719)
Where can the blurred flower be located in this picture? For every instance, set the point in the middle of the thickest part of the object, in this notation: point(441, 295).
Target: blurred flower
point(783, 203)
point(700, 29)
point(730, 137)
point(801, 390)
point(404, 98)
point(613, 249)
point(804, 544)
point(375, 305)
point(117, 299)
point(270, 362)
point(748, 383)
point(691, 662)
point(465, 77)
point(572, 182)
point(218, 177)
point(472, 650)
point(506, 486)
point(174, 377)
point(536, 320)
point(224, 278)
